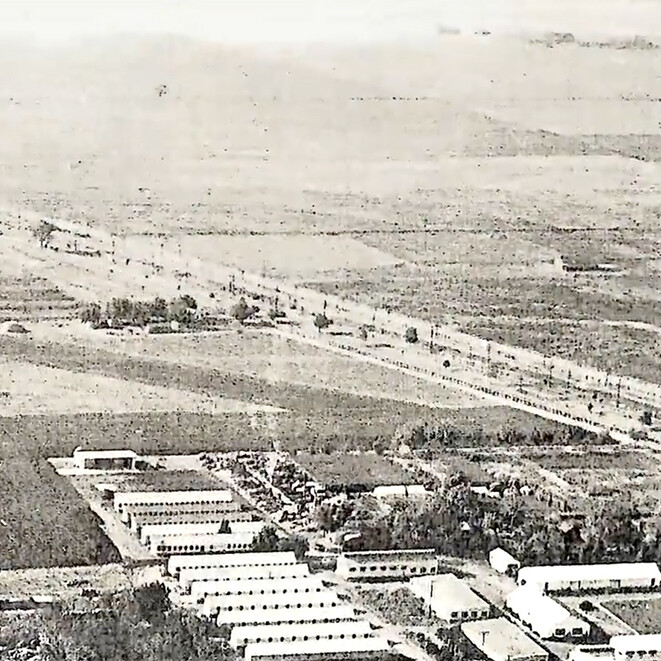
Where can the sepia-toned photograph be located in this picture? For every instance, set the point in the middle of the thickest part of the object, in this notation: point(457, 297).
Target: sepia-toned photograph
point(330, 330)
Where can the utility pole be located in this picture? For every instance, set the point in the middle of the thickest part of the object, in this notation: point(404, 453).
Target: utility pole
point(617, 399)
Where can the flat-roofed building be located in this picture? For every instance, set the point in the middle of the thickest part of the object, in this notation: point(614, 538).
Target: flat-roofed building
point(285, 633)
point(141, 502)
point(329, 649)
point(105, 460)
point(503, 562)
point(366, 565)
point(545, 616)
point(583, 578)
point(213, 606)
point(315, 614)
point(247, 574)
point(200, 589)
point(204, 561)
point(644, 647)
point(221, 543)
point(222, 513)
point(500, 640)
point(450, 598)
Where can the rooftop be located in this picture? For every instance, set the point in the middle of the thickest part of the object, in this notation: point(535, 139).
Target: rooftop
point(447, 591)
point(636, 643)
point(202, 539)
point(302, 629)
point(250, 573)
point(501, 639)
point(391, 555)
point(324, 646)
point(233, 559)
point(271, 615)
point(105, 454)
point(173, 496)
point(502, 554)
point(241, 586)
point(528, 600)
point(256, 601)
point(611, 571)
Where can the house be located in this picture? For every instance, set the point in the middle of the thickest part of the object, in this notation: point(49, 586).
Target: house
point(379, 565)
point(178, 562)
point(215, 605)
point(286, 633)
point(503, 562)
point(329, 649)
point(500, 640)
point(277, 616)
point(105, 460)
point(217, 543)
point(450, 598)
point(647, 647)
point(544, 616)
point(584, 578)
point(301, 586)
point(245, 573)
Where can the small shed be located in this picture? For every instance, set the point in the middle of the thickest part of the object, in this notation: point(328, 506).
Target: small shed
point(105, 459)
point(503, 562)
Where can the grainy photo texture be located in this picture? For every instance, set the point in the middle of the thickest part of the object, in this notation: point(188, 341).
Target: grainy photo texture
point(330, 330)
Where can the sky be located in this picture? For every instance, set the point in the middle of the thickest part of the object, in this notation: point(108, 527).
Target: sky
point(293, 21)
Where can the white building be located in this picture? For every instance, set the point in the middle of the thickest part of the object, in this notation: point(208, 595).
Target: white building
point(254, 527)
point(273, 616)
point(302, 586)
point(162, 530)
point(139, 502)
point(185, 515)
point(330, 649)
point(220, 543)
point(450, 598)
point(500, 640)
point(544, 616)
point(592, 653)
point(580, 578)
point(366, 565)
point(277, 558)
point(250, 573)
point(285, 633)
point(105, 460)
point(503, 562)
point(643, 647)
point(255, 602)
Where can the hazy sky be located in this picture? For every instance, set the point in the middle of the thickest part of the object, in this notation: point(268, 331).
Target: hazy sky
point(312, 20)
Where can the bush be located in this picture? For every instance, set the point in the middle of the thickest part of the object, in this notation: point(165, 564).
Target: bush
point(411, 335)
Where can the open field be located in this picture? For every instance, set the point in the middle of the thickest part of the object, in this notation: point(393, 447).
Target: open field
point(348, 470)
point(36, 389)
point(270, 357)
point(643, 615)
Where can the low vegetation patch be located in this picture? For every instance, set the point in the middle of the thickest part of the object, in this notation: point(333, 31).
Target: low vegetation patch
point(643, 615)
point(353, 472)
point(399, 607)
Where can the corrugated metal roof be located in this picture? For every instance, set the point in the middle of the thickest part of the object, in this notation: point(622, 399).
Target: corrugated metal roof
point(327, 646)
point(614, 571)
point(277, 615)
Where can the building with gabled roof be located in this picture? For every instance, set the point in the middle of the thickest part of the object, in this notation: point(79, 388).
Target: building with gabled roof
point(314, 614)
point(450, 598)
point(545, 616)
point(284, 633)
point(627, 647)
point(581, 578)
point(329, 649)
point(178, 562)
point(287, 585)
point(217, 543)
point(395, 564)
point(245, 573)
point(501, 640)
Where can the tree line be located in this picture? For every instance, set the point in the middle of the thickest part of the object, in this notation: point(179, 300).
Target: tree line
point(127, 312)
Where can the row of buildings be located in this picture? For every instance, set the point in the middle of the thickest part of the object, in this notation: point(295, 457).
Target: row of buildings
point(276, 609)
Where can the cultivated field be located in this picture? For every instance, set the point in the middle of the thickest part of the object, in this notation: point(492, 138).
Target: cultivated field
point(641, 614)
